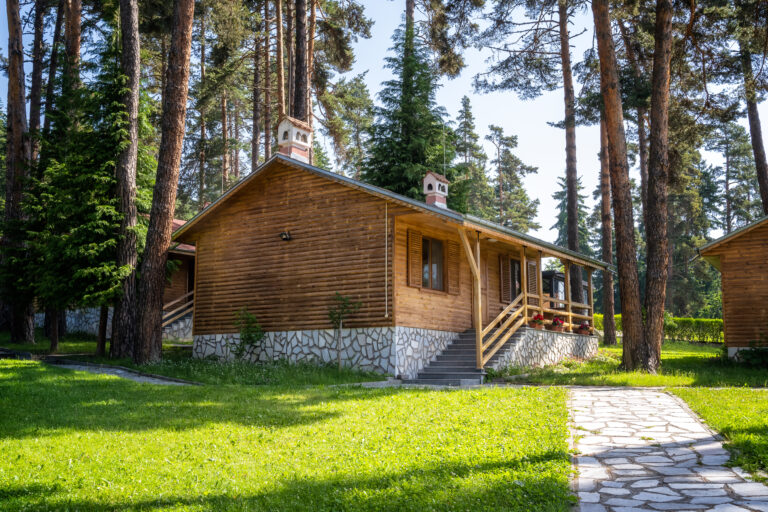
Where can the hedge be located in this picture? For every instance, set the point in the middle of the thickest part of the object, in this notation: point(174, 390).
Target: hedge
point(706, 330)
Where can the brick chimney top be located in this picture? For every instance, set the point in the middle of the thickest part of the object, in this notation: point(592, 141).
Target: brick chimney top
point(294, 138)
point(436, 189)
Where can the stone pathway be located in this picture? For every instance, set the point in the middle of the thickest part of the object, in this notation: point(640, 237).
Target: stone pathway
point(119, 372)
point(643, 449)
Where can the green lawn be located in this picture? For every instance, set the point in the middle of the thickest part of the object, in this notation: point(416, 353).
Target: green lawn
point(683, 364)
point(740, 415)
point(79, 441)
point(77, 343)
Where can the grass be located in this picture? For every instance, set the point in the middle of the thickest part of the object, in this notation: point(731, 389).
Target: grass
point(682, 364)
point(71, 343)
point(741, 416)
point(79, 441)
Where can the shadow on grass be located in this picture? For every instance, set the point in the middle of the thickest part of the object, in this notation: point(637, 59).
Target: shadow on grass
point(511, 485)
point(78, 400)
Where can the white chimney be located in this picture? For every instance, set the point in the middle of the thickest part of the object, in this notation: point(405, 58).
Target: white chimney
point(294, 138)
point(436, 189)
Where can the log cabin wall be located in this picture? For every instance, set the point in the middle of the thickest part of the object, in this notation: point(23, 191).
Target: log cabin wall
point(338, 245)
point(744, 270)
point(179, 280)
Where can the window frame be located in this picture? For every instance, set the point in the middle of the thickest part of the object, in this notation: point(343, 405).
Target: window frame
point(429, 286)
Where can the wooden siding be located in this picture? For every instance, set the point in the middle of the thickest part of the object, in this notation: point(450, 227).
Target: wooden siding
point(179, 281)
point(338, 245)
point(744, 268)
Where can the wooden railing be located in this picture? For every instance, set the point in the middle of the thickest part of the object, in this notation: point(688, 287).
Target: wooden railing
point(183, 306)
point(504, 326)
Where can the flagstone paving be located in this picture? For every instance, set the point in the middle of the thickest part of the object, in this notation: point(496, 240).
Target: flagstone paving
point(643, 449)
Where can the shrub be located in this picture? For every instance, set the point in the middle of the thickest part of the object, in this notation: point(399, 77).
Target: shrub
point(251, 333)
point(707, 330)
point(756, 355)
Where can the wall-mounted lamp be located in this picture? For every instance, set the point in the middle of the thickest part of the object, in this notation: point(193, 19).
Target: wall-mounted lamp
point(285, 236)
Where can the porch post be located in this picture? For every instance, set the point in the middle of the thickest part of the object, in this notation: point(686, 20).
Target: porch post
point(477, 309)
point(540, 284)
point(568, 307)
point(590, 296)
point(524, 282)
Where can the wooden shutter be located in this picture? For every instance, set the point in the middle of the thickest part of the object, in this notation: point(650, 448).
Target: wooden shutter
point(505, 279)
point(532, 274)
point(414, 258)
point(452, 266)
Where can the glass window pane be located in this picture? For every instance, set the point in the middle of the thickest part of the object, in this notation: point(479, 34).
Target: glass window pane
point(560, 294)
point(516, 289)
point(437, 265)
point(425, 262)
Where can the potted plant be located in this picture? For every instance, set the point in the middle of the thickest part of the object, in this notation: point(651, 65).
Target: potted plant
point(557, 324)
point(537, 321)
point(584, 328)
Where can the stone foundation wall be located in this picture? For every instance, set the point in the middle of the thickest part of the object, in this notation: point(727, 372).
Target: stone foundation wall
point(389, 350)
point(180, 330)
point(541, 348)
point(84, 320)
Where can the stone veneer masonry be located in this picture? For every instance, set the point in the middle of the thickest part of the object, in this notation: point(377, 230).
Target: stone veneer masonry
point(86, 321)
point(391, 350)
point(541, 348)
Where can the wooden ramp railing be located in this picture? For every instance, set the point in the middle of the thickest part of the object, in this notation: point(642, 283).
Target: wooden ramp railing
point(181, 307)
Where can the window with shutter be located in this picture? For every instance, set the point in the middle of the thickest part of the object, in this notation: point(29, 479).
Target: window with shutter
point(505, 279)
point(414, 258)
point(532, 275)
point(453, 268)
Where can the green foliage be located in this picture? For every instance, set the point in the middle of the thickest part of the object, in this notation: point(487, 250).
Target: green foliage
point(560, 195)
point(409, 136)
point(342, 309)
point(756, 355)
point(282, 446)
point(471, 183)
point(251, 333)
point(703, 330)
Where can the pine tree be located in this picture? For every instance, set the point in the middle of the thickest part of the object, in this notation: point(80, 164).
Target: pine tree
point(470, 166)
point(562, 215)
point(407, 135)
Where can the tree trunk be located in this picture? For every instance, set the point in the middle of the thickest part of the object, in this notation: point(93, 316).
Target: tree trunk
point(54, 336)
point(255, 112)
point(609, 322)
point(311, 68)
point(236, 145)
point(152, 283)
point(101, 341)
point(16, 170)
point(657, 258)
point(203, 135)
point(163, 67)
point(728, 211)
point(35, 89)
point(571, 176)
point(267, 87)
point(52, 67)
point(626, 255)
point(300, 65)
point(642, 140)
point(124, 317)
point(225, 143)
point(72, 38)
point(280, 60)
point(755, 130)
point(291, 57)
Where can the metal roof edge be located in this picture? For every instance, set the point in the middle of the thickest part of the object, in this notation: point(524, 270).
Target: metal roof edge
point(733, 234)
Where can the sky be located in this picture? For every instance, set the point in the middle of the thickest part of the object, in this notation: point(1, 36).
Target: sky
point(539, 144)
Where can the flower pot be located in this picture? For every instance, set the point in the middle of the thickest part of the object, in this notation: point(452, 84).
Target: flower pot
point(556, 328)
point(536, 326)
point(584, 332)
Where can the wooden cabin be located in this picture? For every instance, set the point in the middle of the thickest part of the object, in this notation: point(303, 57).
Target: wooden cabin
point(742, 259)
point(287, 238)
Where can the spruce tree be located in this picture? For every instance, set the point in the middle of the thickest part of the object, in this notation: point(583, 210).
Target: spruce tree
point(472, 181)
point(560, 224)
point(406, 137)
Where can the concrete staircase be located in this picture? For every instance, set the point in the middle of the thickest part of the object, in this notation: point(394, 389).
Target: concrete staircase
point(456, 365)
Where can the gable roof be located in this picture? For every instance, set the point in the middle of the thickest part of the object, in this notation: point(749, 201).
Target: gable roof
point(466, 220)
point(732, 235)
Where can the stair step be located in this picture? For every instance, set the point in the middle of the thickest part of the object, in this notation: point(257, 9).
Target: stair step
point(449, 375)
point(444, 382)
point(450, 369)
point(453, 363)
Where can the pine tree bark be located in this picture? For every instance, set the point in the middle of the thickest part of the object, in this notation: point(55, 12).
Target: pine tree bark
point(267, 87)
point(152, 283)
point(755, 129)
point(609, 321)
point(203, 134)
point(101, 340)
point(280, 60)
point(626, 255)
point(53, 67)
point(571, 175)
point(36, 86)
point(311, 68)
point(291, 57)
point(124, 316)
point(255, 105)
point(225, 143)
point(727, 178)
point(300, 51)
point(16, 171)
point(54, 335)
point(657, 259)
point(72, 38)
point(236, 145)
